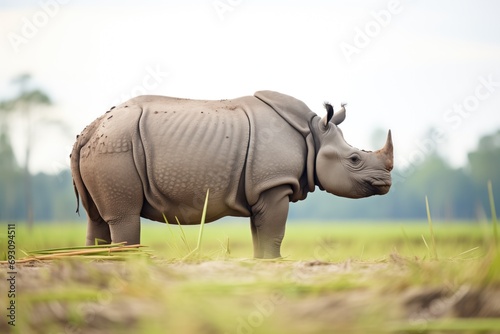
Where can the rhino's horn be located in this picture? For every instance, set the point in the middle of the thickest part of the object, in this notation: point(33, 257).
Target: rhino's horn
point(388, 152)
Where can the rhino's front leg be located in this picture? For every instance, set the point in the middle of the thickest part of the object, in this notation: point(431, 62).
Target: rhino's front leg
point(268, 222)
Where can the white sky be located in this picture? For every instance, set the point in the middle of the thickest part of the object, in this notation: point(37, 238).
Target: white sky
point(407, 75)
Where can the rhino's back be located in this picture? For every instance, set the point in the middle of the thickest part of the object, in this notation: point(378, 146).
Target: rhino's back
point(191, 146)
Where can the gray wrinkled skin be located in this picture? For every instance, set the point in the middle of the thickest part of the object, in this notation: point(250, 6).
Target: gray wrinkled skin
point(154, 155)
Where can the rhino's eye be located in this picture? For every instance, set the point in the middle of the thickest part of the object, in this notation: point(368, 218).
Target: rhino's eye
point(354, 159)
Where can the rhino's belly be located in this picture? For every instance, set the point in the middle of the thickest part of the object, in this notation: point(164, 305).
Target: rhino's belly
point(189, 148)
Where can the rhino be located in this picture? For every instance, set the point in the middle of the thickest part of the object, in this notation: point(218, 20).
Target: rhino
point(156, 157)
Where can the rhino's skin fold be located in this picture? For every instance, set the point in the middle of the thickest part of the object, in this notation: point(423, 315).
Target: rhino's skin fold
point(154, 155)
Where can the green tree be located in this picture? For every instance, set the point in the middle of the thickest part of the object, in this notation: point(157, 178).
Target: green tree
point(10, 178)
point(22, 105)
point(446, 188)
point(484, 165)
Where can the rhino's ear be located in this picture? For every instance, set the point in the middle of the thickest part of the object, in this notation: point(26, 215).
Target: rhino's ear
point(329, 113)
point(340, 116)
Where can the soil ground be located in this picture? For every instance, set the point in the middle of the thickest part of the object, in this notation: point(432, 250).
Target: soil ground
point(241, 296)
point(335, 278)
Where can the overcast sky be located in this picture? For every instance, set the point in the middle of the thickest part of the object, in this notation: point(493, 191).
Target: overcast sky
point(404, 65)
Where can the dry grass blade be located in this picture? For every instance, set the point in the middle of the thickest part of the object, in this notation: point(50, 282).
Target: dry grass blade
point(183, 235)
point(102, 251)
point(197, 251)
point(426, 245)
point(70, 249)
point(466, 252)
point(172, 244)
point(433, 239)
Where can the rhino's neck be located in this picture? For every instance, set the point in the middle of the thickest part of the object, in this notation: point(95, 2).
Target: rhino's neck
point(314, 127)
point(309, 180)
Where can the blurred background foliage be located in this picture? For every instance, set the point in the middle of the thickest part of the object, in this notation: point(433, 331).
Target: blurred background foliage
point(454, 193)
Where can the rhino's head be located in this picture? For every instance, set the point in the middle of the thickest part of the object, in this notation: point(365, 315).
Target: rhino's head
point(347, 171)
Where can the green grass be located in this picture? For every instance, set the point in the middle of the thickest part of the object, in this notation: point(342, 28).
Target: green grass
point(493, 215)
point(328, 241)
point(335, 276)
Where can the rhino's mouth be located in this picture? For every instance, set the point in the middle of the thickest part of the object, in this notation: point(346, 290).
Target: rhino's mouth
point(381, 187)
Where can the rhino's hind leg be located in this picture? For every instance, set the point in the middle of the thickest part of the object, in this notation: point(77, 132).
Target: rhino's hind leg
point(268, 222)
point(121, 229)
point(98, 232)
point(126, 229)
point(116, 190)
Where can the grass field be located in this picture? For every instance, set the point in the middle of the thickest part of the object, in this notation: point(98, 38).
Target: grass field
point(342, 277)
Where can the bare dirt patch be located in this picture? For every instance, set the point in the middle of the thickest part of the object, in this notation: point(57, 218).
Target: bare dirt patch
point(237, 296)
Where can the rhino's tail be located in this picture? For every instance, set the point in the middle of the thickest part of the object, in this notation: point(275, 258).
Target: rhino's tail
point(77, 198)
point(75, 171)
point(78, 184)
